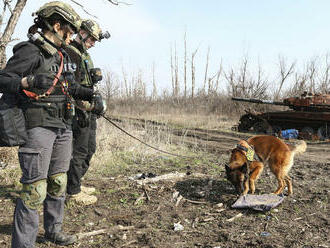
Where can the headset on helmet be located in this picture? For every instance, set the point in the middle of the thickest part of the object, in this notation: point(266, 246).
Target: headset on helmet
point(94, 30)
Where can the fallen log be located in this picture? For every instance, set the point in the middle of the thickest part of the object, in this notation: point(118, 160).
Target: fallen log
point(103, 231)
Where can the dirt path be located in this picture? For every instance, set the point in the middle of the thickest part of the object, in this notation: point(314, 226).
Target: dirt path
point(198, 201)
point(318, 152)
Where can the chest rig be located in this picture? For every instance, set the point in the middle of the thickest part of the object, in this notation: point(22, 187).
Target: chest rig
point(54, 63)
point(53, 71)
point(85, 65)
point(49, 107)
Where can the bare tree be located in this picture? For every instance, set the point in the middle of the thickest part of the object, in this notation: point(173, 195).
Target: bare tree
point(244, 84)
point(5, 37)
point(206, 68)
point(154, 85)
point(210, 88)
point(193, 73)
point(110, 87)
point(172, 71)
point(261, 83)
point(218, 77)
point(312, 73)
point(126, 86)
point(185, 65)
point(285, 71)
point(325, 76)
point(299, 84)
point(140, 89)
point(176, 73)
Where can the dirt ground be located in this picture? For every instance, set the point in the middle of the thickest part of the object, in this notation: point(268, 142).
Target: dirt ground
point(199, 199)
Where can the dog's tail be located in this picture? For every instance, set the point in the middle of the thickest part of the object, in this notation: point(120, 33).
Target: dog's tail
point(299, 148)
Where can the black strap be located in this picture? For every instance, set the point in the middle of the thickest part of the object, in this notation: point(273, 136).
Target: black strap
point(243, 148)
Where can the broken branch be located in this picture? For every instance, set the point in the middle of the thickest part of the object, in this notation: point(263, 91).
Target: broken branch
point(145, 192)
point(102, 231)
point(117, 2)
point(178, 200)
point(82, 7)
point(196, 202)
point(235, 217)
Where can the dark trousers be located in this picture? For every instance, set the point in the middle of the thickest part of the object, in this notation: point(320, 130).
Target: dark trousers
point(84, 146)
point(46, 153)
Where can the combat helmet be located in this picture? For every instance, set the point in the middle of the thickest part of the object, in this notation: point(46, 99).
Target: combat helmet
point(62, 9)
point(94, 30)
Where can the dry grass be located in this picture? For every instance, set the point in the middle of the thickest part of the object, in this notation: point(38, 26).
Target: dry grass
point(186, 120)
point(114, 147)
point(8, 155)
point(118, 152)
point(12, 173)
point(199, 113)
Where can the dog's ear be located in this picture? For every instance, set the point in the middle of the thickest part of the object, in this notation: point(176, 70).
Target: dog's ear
point(227, 168)
point(244, 168)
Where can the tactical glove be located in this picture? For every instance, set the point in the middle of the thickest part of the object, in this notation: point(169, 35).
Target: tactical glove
point(82, 118)
point(10, 84)
point(39, 81)
point(98, 104)
point(96, 75)
point(67, 76)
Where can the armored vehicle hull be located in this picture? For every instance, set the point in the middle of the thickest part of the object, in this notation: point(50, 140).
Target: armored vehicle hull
point(311, 125)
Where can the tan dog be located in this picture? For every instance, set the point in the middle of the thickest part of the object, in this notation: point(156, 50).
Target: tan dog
point(243, 173)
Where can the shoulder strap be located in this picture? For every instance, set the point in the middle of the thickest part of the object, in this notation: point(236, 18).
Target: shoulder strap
point(50, 90)
point(42, 43)
point(74, 49)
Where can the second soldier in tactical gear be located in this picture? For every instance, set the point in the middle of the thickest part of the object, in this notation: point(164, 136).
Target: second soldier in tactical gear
point(39, 75)
point(84, 121)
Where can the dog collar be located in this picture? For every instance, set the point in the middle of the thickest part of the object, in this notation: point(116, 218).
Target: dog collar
point(248, 151)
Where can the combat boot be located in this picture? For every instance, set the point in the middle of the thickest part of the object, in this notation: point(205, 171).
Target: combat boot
point(87, 190)
point(61, 238)
point(82, 198)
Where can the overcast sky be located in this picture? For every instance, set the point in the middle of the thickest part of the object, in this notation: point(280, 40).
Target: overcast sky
point(143, 32)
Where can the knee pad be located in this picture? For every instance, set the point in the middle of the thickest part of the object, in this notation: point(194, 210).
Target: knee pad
point(33, 194)
point(57, 184)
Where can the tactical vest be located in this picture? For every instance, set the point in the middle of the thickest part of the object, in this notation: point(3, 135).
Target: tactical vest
point(86, 64)
point(50, 111)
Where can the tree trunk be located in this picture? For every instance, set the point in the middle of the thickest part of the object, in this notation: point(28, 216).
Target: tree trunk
point(206, 69)
point(185, 66)
point(193, 74)
point(9, 30)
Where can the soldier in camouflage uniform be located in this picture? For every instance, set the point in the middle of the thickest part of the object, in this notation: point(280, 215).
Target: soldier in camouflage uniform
point(84, 122)
point(40, 75)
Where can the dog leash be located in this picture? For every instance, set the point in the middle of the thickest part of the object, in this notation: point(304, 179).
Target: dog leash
point(132, 136)
point(141, 141)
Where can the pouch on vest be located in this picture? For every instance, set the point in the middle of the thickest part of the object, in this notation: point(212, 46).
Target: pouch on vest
point(12, 122)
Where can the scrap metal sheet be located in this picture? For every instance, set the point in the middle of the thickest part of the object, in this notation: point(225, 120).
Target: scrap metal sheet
point(263, 202)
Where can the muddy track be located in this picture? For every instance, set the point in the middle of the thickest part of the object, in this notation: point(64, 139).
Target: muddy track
point(220, 141)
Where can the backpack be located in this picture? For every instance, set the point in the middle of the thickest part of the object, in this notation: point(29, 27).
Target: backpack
point(12, 122)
